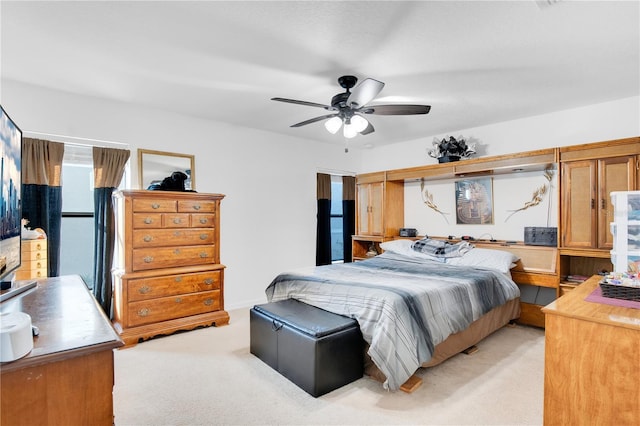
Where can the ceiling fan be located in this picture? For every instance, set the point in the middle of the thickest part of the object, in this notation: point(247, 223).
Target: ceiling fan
point(349, 107)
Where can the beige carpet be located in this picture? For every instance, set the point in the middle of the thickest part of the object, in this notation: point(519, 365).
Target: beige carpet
point(208, 377)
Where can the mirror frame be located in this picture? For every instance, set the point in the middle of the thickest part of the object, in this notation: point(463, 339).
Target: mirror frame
point(143, 152)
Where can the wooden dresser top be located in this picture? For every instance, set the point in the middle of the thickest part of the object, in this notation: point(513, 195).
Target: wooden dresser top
point(70, 321)
point(573, 305)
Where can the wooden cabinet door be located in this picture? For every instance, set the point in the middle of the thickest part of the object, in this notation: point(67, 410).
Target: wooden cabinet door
point(614, 174)
point(578, 204)
point(362, 219)
point(376, 201)
point(370, 209)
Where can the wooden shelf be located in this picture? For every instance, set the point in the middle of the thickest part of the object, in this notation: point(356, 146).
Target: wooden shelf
point(500, 164)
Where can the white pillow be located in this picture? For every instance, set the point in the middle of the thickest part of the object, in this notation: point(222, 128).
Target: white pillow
point(500, 260)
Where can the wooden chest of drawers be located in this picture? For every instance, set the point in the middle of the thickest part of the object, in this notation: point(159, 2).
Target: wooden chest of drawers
point(34, 260)
point(168, 274)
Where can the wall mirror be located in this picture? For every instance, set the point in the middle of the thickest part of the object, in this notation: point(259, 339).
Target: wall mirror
point(154, 166)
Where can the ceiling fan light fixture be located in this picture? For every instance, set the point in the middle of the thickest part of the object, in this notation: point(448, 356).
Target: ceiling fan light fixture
point(349, 131)
point(359, 123)
point(333, 125)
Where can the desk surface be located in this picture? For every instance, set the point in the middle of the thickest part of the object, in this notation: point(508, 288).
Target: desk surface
point(70, 321)
point(573, 305)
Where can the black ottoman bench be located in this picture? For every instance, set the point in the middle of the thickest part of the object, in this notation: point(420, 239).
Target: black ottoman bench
point(317, 350)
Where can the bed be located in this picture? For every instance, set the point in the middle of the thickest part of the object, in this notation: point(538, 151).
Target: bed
point(415, 308)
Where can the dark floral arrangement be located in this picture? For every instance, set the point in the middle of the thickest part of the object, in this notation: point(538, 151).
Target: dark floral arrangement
point(451, 147)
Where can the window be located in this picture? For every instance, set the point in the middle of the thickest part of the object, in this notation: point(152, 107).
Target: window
point(337, 242)
point(77, 225)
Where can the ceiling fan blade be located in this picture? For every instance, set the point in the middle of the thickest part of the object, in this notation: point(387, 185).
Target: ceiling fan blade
point(313, 120)
point(396, 109)
point(368, 130)
point(364, 92)
point(294, 101)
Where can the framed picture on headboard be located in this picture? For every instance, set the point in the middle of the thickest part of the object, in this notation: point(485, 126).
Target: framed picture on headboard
point(474, 201)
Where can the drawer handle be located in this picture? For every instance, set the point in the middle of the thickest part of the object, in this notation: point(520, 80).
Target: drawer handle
point(208, 281)
point(203, 255)
point(208, 302)
point(148, 220)
point(177, 252)
point(39, 273)
point(196, 207)
point(155, 206)
point(147, 238)
point(178, 300)
point(144, 289)
point(143, 312)
point(276, 325)
point(177, 234)
point(177, 220)
point(178, 279)
point(203, 220)
point(148, 259)
point(203, 236)
point(39, 265)
point(38, 246)
point(38, 256)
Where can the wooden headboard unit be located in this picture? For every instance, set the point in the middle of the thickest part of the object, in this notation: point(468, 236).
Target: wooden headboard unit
point(538, 265)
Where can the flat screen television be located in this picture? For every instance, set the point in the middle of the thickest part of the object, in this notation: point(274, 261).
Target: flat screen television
point(10, 197)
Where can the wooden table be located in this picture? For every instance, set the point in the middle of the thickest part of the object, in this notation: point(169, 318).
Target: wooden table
point(592, 361)
point(68, 377)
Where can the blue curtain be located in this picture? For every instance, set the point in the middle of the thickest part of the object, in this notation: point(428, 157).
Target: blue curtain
point(323, 232)
point(108, 167)
point(42, 193)
point(348, 214)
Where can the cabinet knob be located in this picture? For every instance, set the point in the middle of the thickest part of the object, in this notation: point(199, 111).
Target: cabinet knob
point(148, 259)
point(203, 255)
point(147, 238)
point(203, 236)
point(143, 312)
point(208, 302)
point(203, 220)
point(177, 220)
point(148, 220)
point(196, 207)
point(144, 289)
point(208, 281)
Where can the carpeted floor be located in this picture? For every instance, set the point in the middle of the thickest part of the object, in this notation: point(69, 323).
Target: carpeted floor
point(208, 377)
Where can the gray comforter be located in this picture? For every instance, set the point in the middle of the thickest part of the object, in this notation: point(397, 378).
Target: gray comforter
point(404, 306)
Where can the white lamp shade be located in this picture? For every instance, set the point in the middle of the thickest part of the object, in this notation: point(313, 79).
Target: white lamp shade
point(359, 123)
point(349, 131)
point(333, 125)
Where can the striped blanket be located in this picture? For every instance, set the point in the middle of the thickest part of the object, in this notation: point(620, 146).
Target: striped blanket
point(404, 306)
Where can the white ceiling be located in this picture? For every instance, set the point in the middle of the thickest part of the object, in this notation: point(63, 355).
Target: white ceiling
point(474, 62)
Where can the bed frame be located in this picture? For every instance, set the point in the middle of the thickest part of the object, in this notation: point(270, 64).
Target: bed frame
point(537, 266)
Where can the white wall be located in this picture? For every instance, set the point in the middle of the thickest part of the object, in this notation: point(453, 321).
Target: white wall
point(606, 121)
point(269, 213)
point(268, 218)
point(611, 120)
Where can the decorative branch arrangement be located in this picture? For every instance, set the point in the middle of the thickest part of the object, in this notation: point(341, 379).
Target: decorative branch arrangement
point(427, 198)
point(538, 194)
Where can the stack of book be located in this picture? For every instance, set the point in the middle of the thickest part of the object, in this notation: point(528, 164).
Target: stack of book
point(576, 278)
